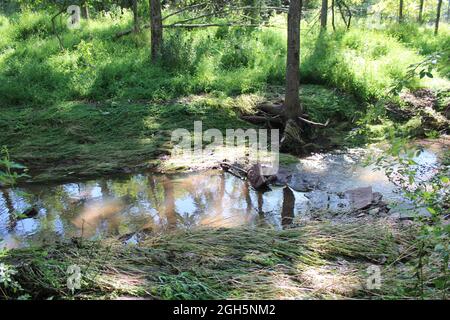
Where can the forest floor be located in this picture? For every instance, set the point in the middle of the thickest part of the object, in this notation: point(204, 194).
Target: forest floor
point(75, 140)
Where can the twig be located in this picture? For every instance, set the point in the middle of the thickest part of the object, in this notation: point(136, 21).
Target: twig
point(315, 123)
point(184, 9)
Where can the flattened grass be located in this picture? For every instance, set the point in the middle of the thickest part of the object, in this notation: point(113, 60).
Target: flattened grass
point(314, 261)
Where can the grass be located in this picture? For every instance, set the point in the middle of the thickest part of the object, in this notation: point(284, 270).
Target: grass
point(100, 105)
point(313, 261)
point(82, 139)
point(95, 139)
point(232, 61)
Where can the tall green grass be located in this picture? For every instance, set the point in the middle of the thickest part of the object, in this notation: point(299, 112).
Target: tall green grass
point(422, 39)
point(95, 66)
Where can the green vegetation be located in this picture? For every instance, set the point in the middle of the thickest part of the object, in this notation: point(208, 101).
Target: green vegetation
point(99, 100)
point(315, 261)
point(101, 105)
point(96, 67)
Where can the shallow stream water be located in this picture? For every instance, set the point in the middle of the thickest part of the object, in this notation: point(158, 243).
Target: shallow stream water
point(121, 206)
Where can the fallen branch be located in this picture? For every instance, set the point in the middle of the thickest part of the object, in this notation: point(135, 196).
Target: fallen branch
point(229, 24)
point(127, 32)
point(261, 119)
point(215, 13)
point(315, 123)
point(271, 108)
point(184, 9)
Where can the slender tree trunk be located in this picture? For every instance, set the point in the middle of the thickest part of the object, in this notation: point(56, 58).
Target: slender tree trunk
point(438, 17)
point(332, 16)
point(85, 11)
point(324, 14)
point(292, 101)
point(420, 18)
point(156, 28)
point(400, 12)
point(448, 12)
point(135, 16)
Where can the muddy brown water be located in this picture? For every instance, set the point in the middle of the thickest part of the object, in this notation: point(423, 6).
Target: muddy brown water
point(121, 206)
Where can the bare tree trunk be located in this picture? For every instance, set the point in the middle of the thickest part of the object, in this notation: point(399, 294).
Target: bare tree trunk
point(324, 14)
point(156, 28)
point(400, 12)
point(420, 18)
point(85, 11)
point(292, 101)
point(332, 16)
point(438, 17)
point(135, 16)
point(349, 13)
point(448, 12)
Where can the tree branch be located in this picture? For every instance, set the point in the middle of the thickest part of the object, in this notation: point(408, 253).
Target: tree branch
point(184, 9)
point(315, 123)
point(54, 28)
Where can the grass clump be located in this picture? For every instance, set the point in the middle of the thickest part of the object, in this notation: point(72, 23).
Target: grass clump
point(313, 261)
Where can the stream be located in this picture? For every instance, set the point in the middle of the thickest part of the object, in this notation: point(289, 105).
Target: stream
point(122, 205)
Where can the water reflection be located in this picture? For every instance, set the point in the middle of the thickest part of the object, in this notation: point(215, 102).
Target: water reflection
point(123, 205)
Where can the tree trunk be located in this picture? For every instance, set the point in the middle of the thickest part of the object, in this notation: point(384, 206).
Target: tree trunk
point(420, 18)
point(292, 107)
point(438, 17)
point(156, 28)
point(400, 12)
point(85, 11)
point(135, 16)
point(448, 11)
point(332, 16)
point(324, 14)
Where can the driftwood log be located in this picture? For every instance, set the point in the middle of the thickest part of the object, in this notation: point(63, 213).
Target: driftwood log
point(253, 175)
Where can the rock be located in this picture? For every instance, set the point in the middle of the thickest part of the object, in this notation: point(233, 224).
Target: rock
point(374, 211)
point(339, 204)
point(303, 182)
point(377, 197)
point(256, 178)
point(30, 213)
point(318, 200)
point(410, 214)
point(282, 177)
point(287, 213)
point(359, 198)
